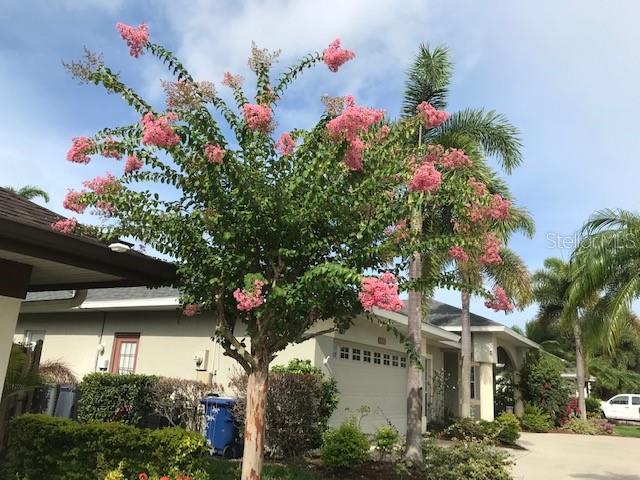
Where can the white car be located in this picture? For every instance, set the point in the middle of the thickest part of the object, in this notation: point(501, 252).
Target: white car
point(625, 406)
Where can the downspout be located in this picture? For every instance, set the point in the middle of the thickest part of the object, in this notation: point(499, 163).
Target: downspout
point(42, 306)
point(100, 347)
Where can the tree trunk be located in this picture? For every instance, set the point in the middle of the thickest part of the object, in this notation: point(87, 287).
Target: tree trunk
point(254, 429)
point(577, 333)
point(465, 374)
point(413, 454)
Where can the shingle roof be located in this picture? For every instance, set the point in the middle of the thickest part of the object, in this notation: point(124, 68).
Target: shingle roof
point(101, 294)
point(445, 315)
point(14, 207)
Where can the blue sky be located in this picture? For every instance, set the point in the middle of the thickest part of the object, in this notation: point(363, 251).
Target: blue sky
point(566, 73)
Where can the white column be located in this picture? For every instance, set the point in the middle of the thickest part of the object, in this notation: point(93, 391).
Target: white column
point(486, 390)
point(9, 310)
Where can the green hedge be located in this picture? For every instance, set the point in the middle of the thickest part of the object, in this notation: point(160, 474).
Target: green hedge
point(116, 398)
point(49, 448)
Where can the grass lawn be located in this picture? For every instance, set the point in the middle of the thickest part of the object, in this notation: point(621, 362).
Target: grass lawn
point(227, 470)
point(627, 430)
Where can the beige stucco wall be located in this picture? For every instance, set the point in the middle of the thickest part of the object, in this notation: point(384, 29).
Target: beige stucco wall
point(169, 342)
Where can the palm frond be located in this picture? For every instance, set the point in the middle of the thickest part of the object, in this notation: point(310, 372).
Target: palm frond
point(427, 80)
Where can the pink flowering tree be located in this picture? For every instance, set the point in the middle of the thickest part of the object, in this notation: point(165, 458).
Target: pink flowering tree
point(271, 233)
point(461, 216)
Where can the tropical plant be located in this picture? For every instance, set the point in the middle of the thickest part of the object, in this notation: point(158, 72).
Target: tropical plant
point(535, 419)
point(30, 192)
point(21, 374)
point(345, 447)
point(479, 134)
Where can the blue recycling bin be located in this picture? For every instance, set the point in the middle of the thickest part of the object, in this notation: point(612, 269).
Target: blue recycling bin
point(221, 430)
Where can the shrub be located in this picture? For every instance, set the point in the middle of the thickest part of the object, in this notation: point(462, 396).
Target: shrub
point(536, 420)
point(594, 407)
point(385, 440)
point(115, 398)
point(508, 430)
point(593, 426)
point(345, 447)
point(299, 405)
point(541, 384)
point(178, 401)
point(57, 449)
point(56, 372)
point(505, 393)
point(469, 429)
point(468, 460)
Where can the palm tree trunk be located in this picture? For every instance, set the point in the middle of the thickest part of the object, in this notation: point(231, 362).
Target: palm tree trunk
point(254, 430)
point(465, 374)
point(577, 333)
point(413, 454)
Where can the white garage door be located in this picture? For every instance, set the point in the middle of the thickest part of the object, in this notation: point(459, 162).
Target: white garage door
point(370, 377)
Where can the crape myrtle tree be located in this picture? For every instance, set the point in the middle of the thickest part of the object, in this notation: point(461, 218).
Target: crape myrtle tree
point(272, 236)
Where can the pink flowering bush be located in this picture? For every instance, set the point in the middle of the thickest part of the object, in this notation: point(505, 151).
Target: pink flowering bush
point(249, 299)
point(100, 185)
point(431, 116)
point(285, 144)
point(110, 149)
point(335, 56)
point(66, 225)
point(78, 153)
point(158, 131)
point(136, 37)
point(426, 178)
point(191, 310)
point(214, 153)
point(132, 164)
point(380, 292)
point(455, 158)
point(499, 300)
point(232, 81)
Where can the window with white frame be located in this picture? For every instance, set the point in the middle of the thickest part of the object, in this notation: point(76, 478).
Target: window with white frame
point(355, 354)
point(403, 362)
point(366, 356)
point(385, 359)
point(376, 358)
point(394, 360)
point(344, 353)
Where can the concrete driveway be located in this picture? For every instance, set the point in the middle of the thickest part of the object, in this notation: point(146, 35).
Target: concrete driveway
point(557, 456)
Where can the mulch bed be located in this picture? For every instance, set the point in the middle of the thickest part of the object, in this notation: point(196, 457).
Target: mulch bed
point(367, 471)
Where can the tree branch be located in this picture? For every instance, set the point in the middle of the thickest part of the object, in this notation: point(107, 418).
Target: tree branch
point(309, 336)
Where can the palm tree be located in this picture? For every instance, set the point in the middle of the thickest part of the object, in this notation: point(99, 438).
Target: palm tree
point(512, 274)
point(30, 192)
point(487, 134)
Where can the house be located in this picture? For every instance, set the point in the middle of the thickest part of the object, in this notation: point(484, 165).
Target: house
point(35, 257)
point(125, 330)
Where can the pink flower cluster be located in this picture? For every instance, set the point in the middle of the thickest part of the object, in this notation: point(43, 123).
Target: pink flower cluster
point(458, 253)
point(136, 37)
point(431, 116)
point(100, 185)
point(455, 158)
point(383, 133)
point(285, 144)
point(110, 149)
point(157, 130)
point(399, 231)
point(232, 81)
point(79, 150)
point(214, 153)
point(491, 250)
point(132, 164)
point(72, 201)
point(248, 300)
point(380, 292)
point(499, 301)
point(335, 57)
point(66, 225)
point(499, 208)
point(191, 310)
point(258, 117)
point(426, 178)
point(478, 187)
point(349, 125)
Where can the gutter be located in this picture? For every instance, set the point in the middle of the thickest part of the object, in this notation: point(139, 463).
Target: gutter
point(42, 306)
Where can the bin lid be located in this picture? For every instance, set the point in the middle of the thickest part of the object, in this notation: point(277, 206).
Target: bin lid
point(211, 400)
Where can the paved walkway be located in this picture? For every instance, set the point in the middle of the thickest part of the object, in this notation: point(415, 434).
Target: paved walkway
point(557, 456)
